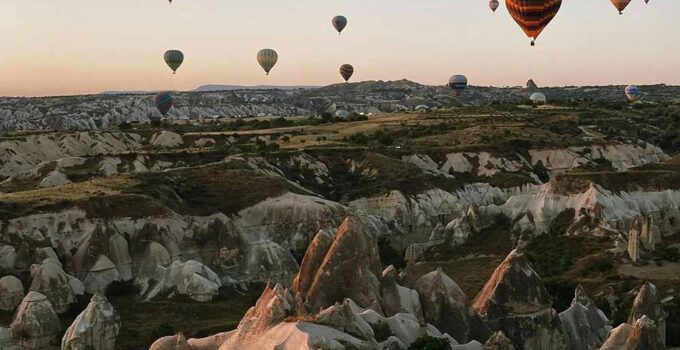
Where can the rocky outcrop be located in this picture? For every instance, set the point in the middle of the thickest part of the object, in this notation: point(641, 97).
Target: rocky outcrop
point(60, 288)
point(515, 301)
point(498, 341)
point(647, 303)
point(446, 307)
point(398, 299)
point(166, 139)
point(174, 342)
point(101, 275)
point(191, 279)
point(642, 335)
point(11, 293)
point(35, 324)
point(584, 325)
point(350, 269)
point(95, 328)
point(311, 262)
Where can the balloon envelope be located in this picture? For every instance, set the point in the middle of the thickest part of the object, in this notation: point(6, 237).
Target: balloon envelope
point(339, 23)
point(493, 5)
point(346, 70)
point(267, 59)
point(538, 98)
point(620, 5)
point(458, 83)
point(174, 59)
point(533, 15)
point(163, 102)
point(632, 92)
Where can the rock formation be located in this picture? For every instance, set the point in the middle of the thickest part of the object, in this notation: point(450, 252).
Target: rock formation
point(585, 326)
point(50, 280)
point(96, 328)
point(634, 242)
point(647, 303)
point(101, 275)
point(35, 324)
point(642, 335)
point(191, 279)
point(174, 342)
point(515, 301)
point(446, 307)
point(398, 299)
point(350, 269)
point(499, 341)
point(11, 293)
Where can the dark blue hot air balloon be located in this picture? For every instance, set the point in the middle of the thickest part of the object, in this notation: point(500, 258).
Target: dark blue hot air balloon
point(339, 23)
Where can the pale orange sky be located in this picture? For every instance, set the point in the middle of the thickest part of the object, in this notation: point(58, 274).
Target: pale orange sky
point(83, 46)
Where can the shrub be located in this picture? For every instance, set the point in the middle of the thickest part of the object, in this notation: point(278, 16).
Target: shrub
point(430, 343)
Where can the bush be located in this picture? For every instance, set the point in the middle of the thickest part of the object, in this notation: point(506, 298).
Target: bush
point(390, 256)
point(430, 343)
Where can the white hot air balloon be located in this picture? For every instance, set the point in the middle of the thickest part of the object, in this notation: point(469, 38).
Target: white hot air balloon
point(538, 98)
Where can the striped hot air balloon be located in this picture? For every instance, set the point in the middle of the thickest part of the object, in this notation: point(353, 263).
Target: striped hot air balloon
point(458, 83)
point(346, 70)
point(533, 15)
point(493, 5)
point(632, 92)
point(267, 58)
point(621, 5)
point(163, 102)
point(339, 23)
point(174, 59)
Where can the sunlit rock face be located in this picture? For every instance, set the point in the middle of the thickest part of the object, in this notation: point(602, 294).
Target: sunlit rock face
point(350, 269)
point(174, 342)
point(647, 303)
point(11, 293)
point(95, 328)
point(584, 325)
point(643, 334)
point(515, 301)
point(35, 324)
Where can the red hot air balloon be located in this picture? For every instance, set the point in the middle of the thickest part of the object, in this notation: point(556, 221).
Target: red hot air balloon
point(621, 5)
point(533, 15)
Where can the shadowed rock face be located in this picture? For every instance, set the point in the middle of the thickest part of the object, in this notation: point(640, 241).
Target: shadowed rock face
point(584, 325)
point(95, 328)
point(643, 335)
point(350, 269)
point(174, 342)
point(316, 252)
point(50, 280)
point(647, 303)
point(11, 293)
point(446, 307)
point(397, 299)
point(499, 341)
point(35, 324)
point(515, 301)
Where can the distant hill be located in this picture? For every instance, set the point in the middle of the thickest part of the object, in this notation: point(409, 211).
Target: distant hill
point(217, 87)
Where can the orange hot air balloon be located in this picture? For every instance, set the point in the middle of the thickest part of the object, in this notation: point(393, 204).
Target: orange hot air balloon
point(533, 15)
point(620, 5)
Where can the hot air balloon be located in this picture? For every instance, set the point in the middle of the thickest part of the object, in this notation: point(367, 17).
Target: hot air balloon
point(538, 98)
point(170, 2)
point(493, 5)
point(621, 5)
point(339, 23)
point(533, 15)
point(267, 58)
point(346, 70)
point(632, 92)
point(163, 102)
point(458, 83)
point(174, 59)
point(646, 1)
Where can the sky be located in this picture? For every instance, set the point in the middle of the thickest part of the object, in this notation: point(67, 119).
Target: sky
point(50, 47)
